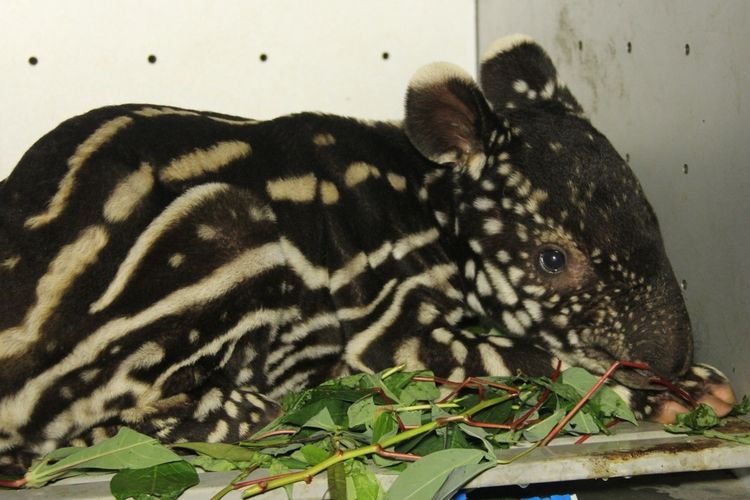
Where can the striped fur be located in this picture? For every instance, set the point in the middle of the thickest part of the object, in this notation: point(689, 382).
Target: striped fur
point(177, 271)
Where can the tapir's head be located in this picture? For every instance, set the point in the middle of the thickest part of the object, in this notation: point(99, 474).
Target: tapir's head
point(558, 239)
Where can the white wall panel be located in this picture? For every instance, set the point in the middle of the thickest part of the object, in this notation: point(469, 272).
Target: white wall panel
point(668, 82)
point(322, 55)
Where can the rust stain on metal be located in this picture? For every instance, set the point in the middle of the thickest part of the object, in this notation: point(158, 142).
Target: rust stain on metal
point(735, 426)
point(670, 448)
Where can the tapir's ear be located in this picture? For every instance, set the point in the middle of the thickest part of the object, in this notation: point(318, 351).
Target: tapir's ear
point(516, 72)
point(447, 118)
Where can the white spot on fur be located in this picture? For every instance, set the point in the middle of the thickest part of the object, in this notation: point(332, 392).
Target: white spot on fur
point(408, 354)
point(483, 285)
point(398, 182)
point(492, 362)
point(515, 274)
point(207, 233)
point(500, 283)
point(129, 193)
point(442, 336)
point(324, 140)
point(413, 241)
point(512, 323)
point(329, 194)
point(176, 260)
point(441, 218)
point(204, 161)
point(459, 351)
point(427, 313)
point(493, 226)
point(294, 189)
point(11, 262)
point(534, 309)
point(500, 341)
point(343, 276)
point(503, 256)
point(359, 172)
point(219, 433)
point(521, 86)
point(193, 336)
point(474, 303)
point(470, 269)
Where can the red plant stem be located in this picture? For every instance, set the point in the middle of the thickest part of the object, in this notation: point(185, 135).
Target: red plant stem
point(260, 481)
point(402, 427)
point(394, 454)
point(486, 425)
point(542, 399)
point(16, 483)
point(677, 390)
point(273, 433)
point(470, 382)
point(583, 438)
point(587, 396)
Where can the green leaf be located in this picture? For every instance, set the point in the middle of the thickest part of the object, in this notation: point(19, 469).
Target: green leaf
point(741, 408)
point(361, 412)
point(209, 464)
point(416, 391)
point(424, 478)
point(737, 438)
point(605, 398)
point(312, 409)
point(361, 483)
point(165, 481)
point(539, 430)
point(699, 418)
point(459, 477)
point(229, 452)
point(337, 482)
point(496, 414)
point(127, 450)
point(321, 420)
point(583, 423)
point(481, 435)
point(314, 454)
point(385, 426)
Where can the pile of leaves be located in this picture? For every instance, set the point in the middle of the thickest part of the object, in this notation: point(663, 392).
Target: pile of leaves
point(436, 434)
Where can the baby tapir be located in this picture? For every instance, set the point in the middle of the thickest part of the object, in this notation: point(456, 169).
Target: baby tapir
point(177, 271)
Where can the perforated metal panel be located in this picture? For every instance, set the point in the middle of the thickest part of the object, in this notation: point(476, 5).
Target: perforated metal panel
point(256, 58)
point(668, 82)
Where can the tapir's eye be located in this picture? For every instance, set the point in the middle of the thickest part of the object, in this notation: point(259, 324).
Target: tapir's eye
point(552, 260)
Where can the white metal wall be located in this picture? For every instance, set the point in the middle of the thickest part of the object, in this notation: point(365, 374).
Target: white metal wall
point(668, 82)
point(343, 56)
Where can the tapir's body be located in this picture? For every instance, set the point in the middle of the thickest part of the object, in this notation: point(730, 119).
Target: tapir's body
point(175, 271)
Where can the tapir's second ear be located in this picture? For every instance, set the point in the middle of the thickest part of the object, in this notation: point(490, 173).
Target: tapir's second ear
point(516, 72)
point(447, 118)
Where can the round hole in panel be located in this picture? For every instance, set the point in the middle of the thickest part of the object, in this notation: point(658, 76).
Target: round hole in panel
point(151, 59)
point(630, 47)
point(687, 49)
point(33, 61)
point(683, 285)
point(685, 168)
point(385, 56)
point(263, 57)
